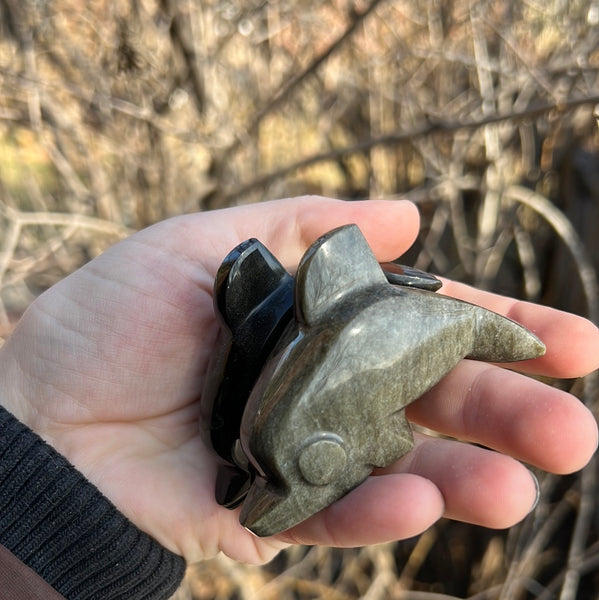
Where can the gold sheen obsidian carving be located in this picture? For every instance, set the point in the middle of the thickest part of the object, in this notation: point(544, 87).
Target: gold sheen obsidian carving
point(312, 373)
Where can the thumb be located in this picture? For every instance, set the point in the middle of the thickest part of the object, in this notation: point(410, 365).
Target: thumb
point(287, 227)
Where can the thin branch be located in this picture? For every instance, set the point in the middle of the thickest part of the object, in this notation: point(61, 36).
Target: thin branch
point(181, 39)
point(287, 89)
point(65, 220)
point(580, 535)
point(590, 285)
point(7, 250)
point(523, 567)
point(565, 230)
point(530, 270)
point(395, 139)
point(140, 113)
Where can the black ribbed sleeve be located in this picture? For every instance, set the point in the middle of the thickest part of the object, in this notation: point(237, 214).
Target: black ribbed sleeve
point(62, 527)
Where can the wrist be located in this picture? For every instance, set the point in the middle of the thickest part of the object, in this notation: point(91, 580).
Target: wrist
point(11, 384)
point(59, 524)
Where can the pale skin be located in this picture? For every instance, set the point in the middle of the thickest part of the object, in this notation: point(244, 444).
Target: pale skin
point(108, 366)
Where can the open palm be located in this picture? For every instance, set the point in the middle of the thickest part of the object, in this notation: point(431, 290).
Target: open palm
point(108, 366)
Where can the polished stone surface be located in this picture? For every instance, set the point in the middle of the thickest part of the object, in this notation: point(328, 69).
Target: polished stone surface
point(309, 398)
point(253, 296)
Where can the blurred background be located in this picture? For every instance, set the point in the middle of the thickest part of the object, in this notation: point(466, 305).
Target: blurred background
point(114, 115)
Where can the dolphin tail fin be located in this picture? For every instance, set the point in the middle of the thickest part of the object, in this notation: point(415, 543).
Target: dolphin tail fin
point(499, 339)
point(248, 276)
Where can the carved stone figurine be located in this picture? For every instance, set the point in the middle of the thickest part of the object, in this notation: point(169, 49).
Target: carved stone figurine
point(308, 387)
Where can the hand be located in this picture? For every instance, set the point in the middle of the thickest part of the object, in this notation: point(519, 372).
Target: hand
point(108, 366)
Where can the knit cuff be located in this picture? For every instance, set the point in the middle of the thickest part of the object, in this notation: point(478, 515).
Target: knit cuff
point(61, 526)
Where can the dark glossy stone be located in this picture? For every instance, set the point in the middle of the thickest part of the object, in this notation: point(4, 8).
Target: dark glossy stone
point(398, 274)
point(253, 296)
point(308, 404)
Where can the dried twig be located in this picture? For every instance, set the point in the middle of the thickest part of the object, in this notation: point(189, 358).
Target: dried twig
point(65, 219)
point(283, 94)
point(403, 137)
point(588, 278)
point(566, 232)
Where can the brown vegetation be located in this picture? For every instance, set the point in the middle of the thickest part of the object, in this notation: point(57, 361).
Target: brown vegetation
point(114, 115)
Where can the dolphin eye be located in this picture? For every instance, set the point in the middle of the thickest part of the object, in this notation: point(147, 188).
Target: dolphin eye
point(322, 459)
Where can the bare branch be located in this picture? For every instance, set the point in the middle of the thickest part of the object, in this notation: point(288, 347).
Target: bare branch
point(280, 97)
point(395, 139)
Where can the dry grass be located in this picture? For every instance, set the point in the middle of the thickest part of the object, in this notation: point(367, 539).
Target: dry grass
point(114, 115)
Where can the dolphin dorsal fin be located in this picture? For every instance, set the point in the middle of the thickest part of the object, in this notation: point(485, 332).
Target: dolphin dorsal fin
point(337, 265)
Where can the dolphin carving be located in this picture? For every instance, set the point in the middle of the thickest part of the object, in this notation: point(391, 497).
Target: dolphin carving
point(323, 405)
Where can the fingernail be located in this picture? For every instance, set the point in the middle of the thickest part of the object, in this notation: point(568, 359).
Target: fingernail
point(538, 490)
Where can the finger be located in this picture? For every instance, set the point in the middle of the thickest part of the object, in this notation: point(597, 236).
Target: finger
point(572, 342)
point(380, 510)
point(512, 413)
point(292, 225)
point(478, 486)
point(288, 227)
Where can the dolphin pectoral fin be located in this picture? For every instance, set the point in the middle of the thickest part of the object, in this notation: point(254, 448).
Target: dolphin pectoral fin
point(398, 274)
point(265, 509)
point(269, 509)
point(232, 484)
point(499, 339)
